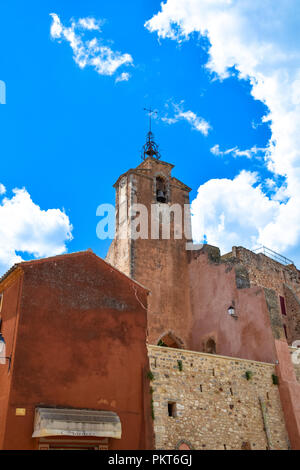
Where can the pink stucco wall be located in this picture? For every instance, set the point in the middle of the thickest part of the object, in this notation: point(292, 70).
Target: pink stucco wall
point(213, 291)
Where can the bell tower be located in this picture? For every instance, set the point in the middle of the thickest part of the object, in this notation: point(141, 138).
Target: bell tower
point(150, 245)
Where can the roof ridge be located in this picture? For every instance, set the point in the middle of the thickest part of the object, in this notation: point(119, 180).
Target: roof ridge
point(89, 252)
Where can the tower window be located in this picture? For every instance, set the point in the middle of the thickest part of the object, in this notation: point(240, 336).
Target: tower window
point(282, 305)
point(172, 409)
point(161, 190)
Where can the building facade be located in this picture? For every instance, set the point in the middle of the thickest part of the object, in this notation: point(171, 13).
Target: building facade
point(165, 345)
point(241, 305)
point(76, 374)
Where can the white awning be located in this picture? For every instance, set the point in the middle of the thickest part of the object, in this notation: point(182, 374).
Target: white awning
point(74, 422)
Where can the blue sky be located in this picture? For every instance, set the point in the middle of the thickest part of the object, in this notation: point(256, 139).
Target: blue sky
point(68, 132)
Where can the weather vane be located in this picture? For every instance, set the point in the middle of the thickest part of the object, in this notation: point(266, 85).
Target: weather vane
point(150, 149)
point(150, 111)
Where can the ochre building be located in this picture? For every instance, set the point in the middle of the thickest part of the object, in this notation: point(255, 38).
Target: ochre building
point(164, 345)
point(76, 369)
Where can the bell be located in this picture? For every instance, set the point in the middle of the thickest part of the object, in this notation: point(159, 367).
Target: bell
point(161, 196)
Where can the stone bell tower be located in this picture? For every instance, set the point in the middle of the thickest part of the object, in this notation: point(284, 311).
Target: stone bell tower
point(152, 232)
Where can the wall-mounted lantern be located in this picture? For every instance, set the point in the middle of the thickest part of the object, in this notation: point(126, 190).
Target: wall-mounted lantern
point(3, 357)
point(231, 312)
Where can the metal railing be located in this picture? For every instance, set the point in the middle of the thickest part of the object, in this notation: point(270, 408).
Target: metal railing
point(272, 254)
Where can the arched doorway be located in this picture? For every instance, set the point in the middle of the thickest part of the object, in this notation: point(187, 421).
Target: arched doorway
point(184, 445)
point(170, 340)
point(210, 346)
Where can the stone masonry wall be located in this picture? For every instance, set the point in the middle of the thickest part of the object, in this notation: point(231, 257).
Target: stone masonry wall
point(284, 280)
point(214, 404)
point(296, 361)
point(297, 371)
point(266, 272)
point(293, 314)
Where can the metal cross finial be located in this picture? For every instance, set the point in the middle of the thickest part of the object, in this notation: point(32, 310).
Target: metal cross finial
point(150, 111)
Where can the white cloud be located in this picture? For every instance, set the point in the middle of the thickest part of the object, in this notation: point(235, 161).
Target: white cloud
point(90, 24)
point(236, 152)
point(25, 227)
point(124, 77)
point(215, 150)
point(197, 123)
point(2, 189)
point(260, 38)
point(169, 120)
point(88, 52)
point(221, 205)
point(56, 28)
point(270, 184)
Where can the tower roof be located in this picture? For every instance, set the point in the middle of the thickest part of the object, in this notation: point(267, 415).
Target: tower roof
point(147, 168)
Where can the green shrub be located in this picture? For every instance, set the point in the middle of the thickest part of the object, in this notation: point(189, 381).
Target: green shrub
point(152, 409)
point(248, 374)
point(150, 375)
